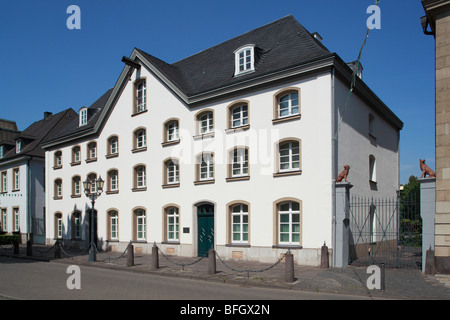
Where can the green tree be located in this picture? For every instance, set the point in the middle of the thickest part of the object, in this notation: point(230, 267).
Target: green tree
point(410, 219)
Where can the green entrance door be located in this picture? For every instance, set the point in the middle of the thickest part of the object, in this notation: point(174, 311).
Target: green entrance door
point(205, 229)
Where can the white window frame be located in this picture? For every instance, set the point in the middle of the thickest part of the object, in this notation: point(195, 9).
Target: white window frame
point(173, 172)
point(18, 146)
point(114, 180)
point(4, 219)
point(16, 179)
point(292, 107)
point(4, 181)
point(244, 60)
point(76, 185)
point(113, 145)
point(2, 152)
point(92, 150)
point(76, 154)
point(293, 215)
point(240, 214)
point(59, 227)
point(291, 158)
point(114, 225)
point(16, 217)
point(141, 139)
point(239, 116)
point(173, 225)
point(206, 168)
point(141, 96)
point(206, 123)
point(83, 117)
point(140, 177)
point(141, 222)
point(239, 162)
point(172, 131)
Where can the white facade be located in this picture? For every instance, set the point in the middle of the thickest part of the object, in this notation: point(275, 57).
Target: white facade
point(156, 191)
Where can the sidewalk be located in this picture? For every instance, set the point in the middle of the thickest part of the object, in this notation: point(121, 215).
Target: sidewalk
point(399, 283)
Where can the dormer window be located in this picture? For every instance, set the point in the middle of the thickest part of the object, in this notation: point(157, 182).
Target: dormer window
point(18, 146)
point(2, 152)
point(244, 59)
point(83, 116)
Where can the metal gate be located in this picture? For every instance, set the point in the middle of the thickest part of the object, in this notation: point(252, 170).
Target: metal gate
point(386, 231)
point(39, 230)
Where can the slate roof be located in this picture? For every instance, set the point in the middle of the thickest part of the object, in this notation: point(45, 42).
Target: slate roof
point(36, 133)
point(281, 44)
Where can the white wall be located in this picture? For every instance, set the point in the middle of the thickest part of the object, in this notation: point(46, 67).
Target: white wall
point(313, 187)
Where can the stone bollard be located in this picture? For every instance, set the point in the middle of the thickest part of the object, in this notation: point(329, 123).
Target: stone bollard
point(289, 275)
point(430, 266)
point(29, 248)
point(211, 261)
point(155, 257)
point(324, 259)
point(130, 255)
point(57, 250)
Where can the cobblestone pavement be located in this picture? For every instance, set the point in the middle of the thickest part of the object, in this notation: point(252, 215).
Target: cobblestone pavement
point(399, 283)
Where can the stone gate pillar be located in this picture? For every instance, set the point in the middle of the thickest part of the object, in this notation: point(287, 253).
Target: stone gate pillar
point(342, 229)
point(427, 212)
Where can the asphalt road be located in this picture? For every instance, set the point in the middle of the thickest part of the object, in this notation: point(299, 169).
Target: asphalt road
point(33, 280)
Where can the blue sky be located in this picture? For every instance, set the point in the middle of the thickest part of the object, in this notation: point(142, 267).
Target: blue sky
point(45, 66)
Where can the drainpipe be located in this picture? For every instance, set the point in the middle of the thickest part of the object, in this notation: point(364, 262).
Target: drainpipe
point(333, 164)
point(29, 200)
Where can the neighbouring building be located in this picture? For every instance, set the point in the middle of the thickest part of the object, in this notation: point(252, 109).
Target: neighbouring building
point(438, 20)
point(22, 165)
point(237, 147)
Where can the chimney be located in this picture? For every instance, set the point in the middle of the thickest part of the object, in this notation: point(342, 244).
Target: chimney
point(47, 114)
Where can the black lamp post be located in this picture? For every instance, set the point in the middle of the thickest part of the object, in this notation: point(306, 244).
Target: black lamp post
point(93, 195)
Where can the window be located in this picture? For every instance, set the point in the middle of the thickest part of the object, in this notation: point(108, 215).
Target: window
point(289, 156)
point(239, 223)
point(206, 167)
point(76, 155)
point(83, 116)
point(172, 173)
point(205, 122)
point(288, 218)
point(372, 125)
point(238, 115)
point(141, 96)
point(372, 169)
point(2, 152)
point(140, 140)
point(4, 182)
point(76, 225)
point(113, 146)
point(16, 179)
point(92, 151)
point(113, 181)
point(239, 163)
point(16, 217)
point(58, 189)
point(172, 224)
point(113, 217)
point(4, 219)
point(58, 226)
point(171, 131)
point(286, 105)
point(244, 60)
point(76, 186)
point(58, 160)
point(139, 177)
point(92, 177)
point(140, 224)
point(18, 146)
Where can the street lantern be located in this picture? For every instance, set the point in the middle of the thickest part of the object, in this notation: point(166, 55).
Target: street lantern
point(93, 194)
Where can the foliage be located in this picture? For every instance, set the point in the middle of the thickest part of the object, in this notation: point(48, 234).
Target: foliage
point(410, 219)
point(9, 239)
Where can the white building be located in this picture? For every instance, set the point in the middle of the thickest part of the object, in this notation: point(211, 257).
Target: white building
point(22, 165)
point(236, 147)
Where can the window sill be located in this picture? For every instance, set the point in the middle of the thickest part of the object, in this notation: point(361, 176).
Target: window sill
point(287, 246)
point(287, 173)
point(138, 113)
point(169, 143)
point(57, 198)
point(112, 192)
point(139, 189)
point(238, 245)
point(201, 136)
point(288, 118)
point(112, 155)
point(136, 150)
point(77, 163)
point(200, 182)
point(176, 243)
point(237, 129)
point(57, 167)
point(91, 160)
point(231, 179)
point(170, 185)
point(75, 196)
